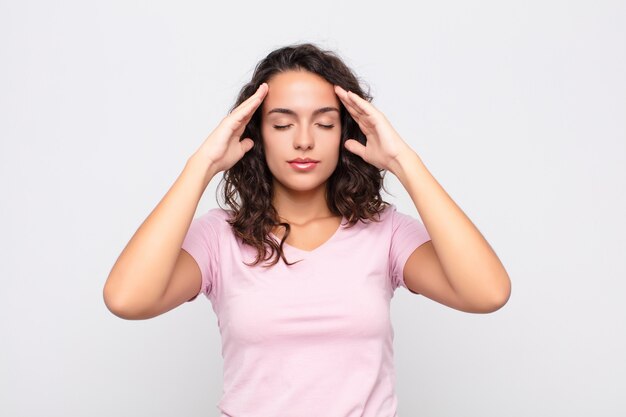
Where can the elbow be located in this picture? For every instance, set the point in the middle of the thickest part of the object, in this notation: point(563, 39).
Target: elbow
point(495, 300)
point(112, 304)
point(498, 303)
point(111, 296)
point(500, 297)
point(128, 307)
point(116, 305)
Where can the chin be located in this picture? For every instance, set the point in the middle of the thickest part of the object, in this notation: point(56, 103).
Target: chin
point(302, 185)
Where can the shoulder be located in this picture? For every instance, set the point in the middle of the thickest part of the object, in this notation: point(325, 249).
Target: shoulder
point(382, 219)
point(394, 217)
point(378, 226)
point(404, 226)
point(389, 214)
point(216, 218)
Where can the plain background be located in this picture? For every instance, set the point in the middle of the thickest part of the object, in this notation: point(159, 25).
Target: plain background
point(517, 109)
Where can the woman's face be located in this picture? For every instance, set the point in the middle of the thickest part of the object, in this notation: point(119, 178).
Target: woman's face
point(300, 119)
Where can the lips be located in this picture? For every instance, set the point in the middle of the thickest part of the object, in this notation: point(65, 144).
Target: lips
point(303, 166)
point(302, 160)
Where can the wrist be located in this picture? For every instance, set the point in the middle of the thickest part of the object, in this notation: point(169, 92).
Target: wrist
point(403, 161)
point(198, 166)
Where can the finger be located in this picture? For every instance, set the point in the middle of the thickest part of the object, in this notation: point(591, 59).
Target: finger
point(365, 107)
point(247, 108)
point(252, 102)
point(237, 122)
point(246, 144)
point(348, 102)
point(355, 147)
point(242, 116)
point(363, 112)
point(342, 94)
point(260, 92)
point(358, 117)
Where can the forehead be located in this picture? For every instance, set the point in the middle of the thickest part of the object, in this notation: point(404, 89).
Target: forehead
point(299, 91)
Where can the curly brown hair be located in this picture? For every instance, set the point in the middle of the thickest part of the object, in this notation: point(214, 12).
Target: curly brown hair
point(353, 190)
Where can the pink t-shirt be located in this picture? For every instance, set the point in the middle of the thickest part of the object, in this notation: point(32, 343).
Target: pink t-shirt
point(312, 339)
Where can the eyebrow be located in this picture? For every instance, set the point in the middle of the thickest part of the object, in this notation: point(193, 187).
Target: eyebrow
point(293, 113)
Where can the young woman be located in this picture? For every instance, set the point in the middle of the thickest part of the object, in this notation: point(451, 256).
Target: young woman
point(301, 268)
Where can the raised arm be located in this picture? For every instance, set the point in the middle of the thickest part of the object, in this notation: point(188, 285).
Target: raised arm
point(153, 274)
point(141, 275)
point(457, 267)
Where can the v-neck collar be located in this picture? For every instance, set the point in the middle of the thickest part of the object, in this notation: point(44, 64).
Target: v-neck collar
point(342, 223)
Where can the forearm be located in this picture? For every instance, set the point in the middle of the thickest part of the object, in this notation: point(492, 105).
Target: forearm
point(141, 273)
point(471, 266)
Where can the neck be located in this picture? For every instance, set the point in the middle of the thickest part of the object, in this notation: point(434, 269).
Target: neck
point(299, 207)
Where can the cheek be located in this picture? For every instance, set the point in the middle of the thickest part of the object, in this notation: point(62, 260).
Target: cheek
point(336, 141)
point(267, 141)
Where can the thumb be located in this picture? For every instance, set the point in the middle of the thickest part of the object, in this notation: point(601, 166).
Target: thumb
point(355, 147)
point(246, 144)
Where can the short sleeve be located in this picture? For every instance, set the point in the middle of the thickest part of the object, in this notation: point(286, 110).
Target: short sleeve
point(201, 243)
point(408, 233)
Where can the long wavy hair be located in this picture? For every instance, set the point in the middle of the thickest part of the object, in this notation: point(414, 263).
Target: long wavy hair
point(353, 189)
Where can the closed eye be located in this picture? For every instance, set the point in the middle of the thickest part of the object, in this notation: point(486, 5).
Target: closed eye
point(279, 127)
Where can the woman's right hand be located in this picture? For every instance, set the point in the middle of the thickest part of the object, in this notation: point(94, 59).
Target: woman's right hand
point(222, 148)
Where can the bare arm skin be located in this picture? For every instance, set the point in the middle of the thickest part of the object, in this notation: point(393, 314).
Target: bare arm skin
point(153, 274)
point(458, 267)
point(141, 274)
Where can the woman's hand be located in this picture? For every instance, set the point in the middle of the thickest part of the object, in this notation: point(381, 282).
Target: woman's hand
point(222, 148)
point(384, 145)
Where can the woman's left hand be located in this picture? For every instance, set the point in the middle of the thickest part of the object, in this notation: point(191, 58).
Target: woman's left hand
point(384, 145)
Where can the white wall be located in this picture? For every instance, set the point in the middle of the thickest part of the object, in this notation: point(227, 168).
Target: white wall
point(517, 109)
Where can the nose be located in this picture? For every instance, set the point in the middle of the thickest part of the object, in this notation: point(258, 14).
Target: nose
point(303, 139)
